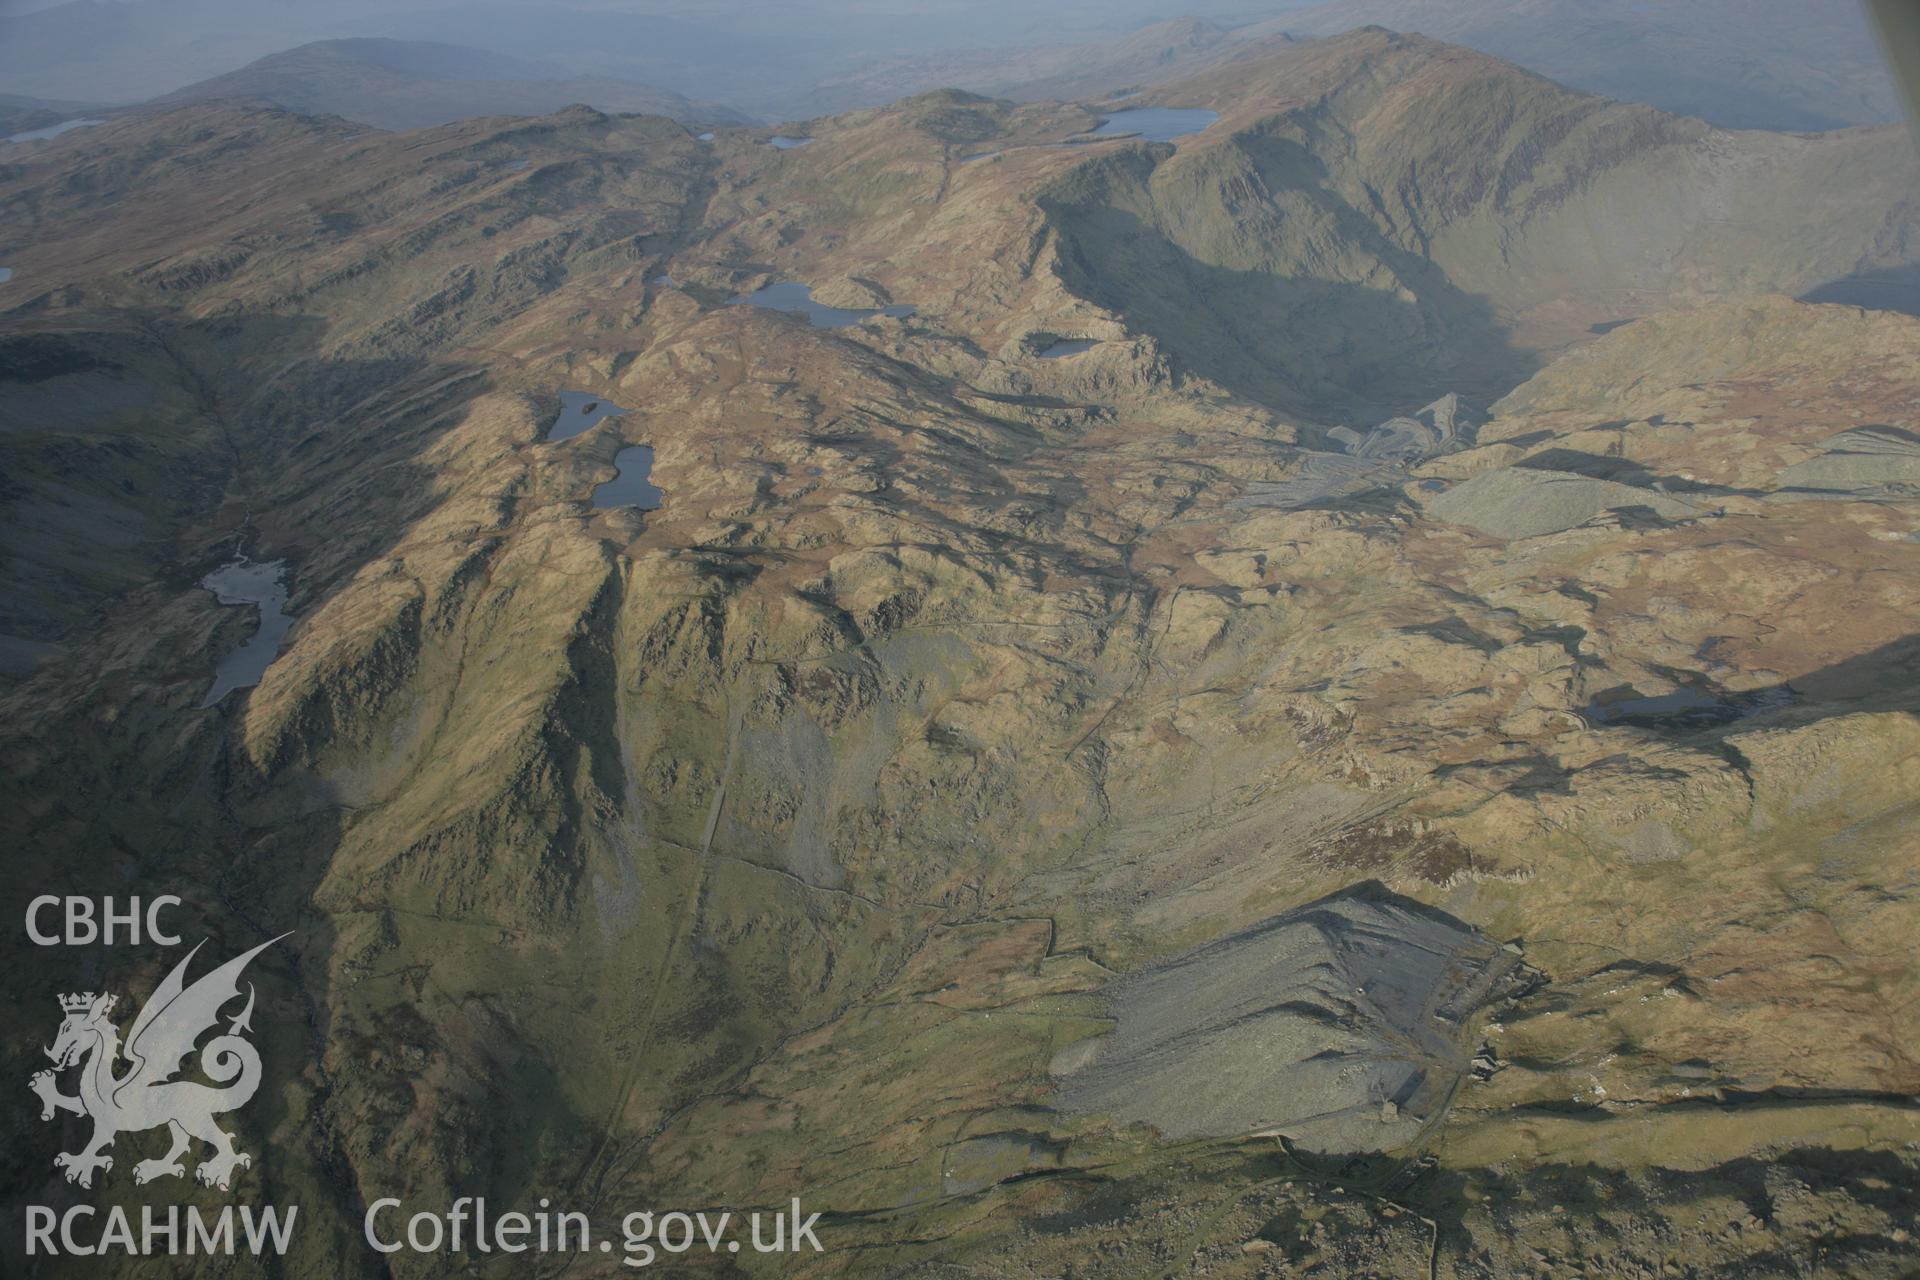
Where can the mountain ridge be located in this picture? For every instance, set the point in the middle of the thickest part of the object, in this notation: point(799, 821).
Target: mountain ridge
point(1450, 197)
point(1719, 60)
point(396, 84)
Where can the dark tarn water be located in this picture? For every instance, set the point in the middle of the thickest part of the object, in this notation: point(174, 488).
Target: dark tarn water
point(783, 143)
point(631, 488)
point(52, 130)
point(264, 586)
point(578, 412)
point(1685, 708)
point(1068, 347)
point(1157, 124)
point(799, 297)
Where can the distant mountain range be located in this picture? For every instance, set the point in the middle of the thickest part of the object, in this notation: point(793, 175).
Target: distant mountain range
point(1753, 64)
point(1757, 64)
point(1776, 64)
point(407, 84)
point(1092, 69)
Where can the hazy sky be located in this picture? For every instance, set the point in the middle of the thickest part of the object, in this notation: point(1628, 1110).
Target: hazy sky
point(127, 50)
point(1798, 64)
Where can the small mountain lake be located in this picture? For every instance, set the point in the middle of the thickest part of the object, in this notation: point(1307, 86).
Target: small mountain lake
point(631, 487)
point(6, 274)
point(1684, 708)
point(783, 143)
point(1068, 347)
point(579, 411)
point(52, 130)
point(799, 298)
point(242, 582)
point(1157, 124)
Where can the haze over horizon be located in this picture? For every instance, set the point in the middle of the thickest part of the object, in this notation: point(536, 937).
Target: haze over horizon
point(1806, 64)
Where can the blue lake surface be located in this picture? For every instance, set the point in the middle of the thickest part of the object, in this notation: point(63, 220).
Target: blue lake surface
point(631, 487)
point(1686, 708)
point(1068, 347)
point(1157, 124)
point(784, 143)
point(580, 411)
point(52, 130)
point(6, 274)
point(795, 297)
point(264, 586)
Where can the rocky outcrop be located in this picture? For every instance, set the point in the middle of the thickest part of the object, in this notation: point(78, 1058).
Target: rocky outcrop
point(1344, 1026)
point(1528, 502)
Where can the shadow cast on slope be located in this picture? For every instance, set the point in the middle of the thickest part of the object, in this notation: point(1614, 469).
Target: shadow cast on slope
point(1881, 289)
point(1882, 680)
point(128, 791)
point(1292, 327)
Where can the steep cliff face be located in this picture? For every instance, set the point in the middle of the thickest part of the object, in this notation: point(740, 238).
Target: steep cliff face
point(1379, 215)
point(785, 839)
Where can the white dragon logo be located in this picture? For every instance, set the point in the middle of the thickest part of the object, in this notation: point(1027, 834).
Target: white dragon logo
point(147, 1096)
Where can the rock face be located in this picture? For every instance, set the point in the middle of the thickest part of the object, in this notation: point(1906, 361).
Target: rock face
point(1526, 502)
point(1344, 1026)
point(775, 841)
point(1866, 462)
point(1440, 427)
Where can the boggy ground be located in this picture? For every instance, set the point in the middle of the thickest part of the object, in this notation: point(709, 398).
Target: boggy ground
point(779, 841)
